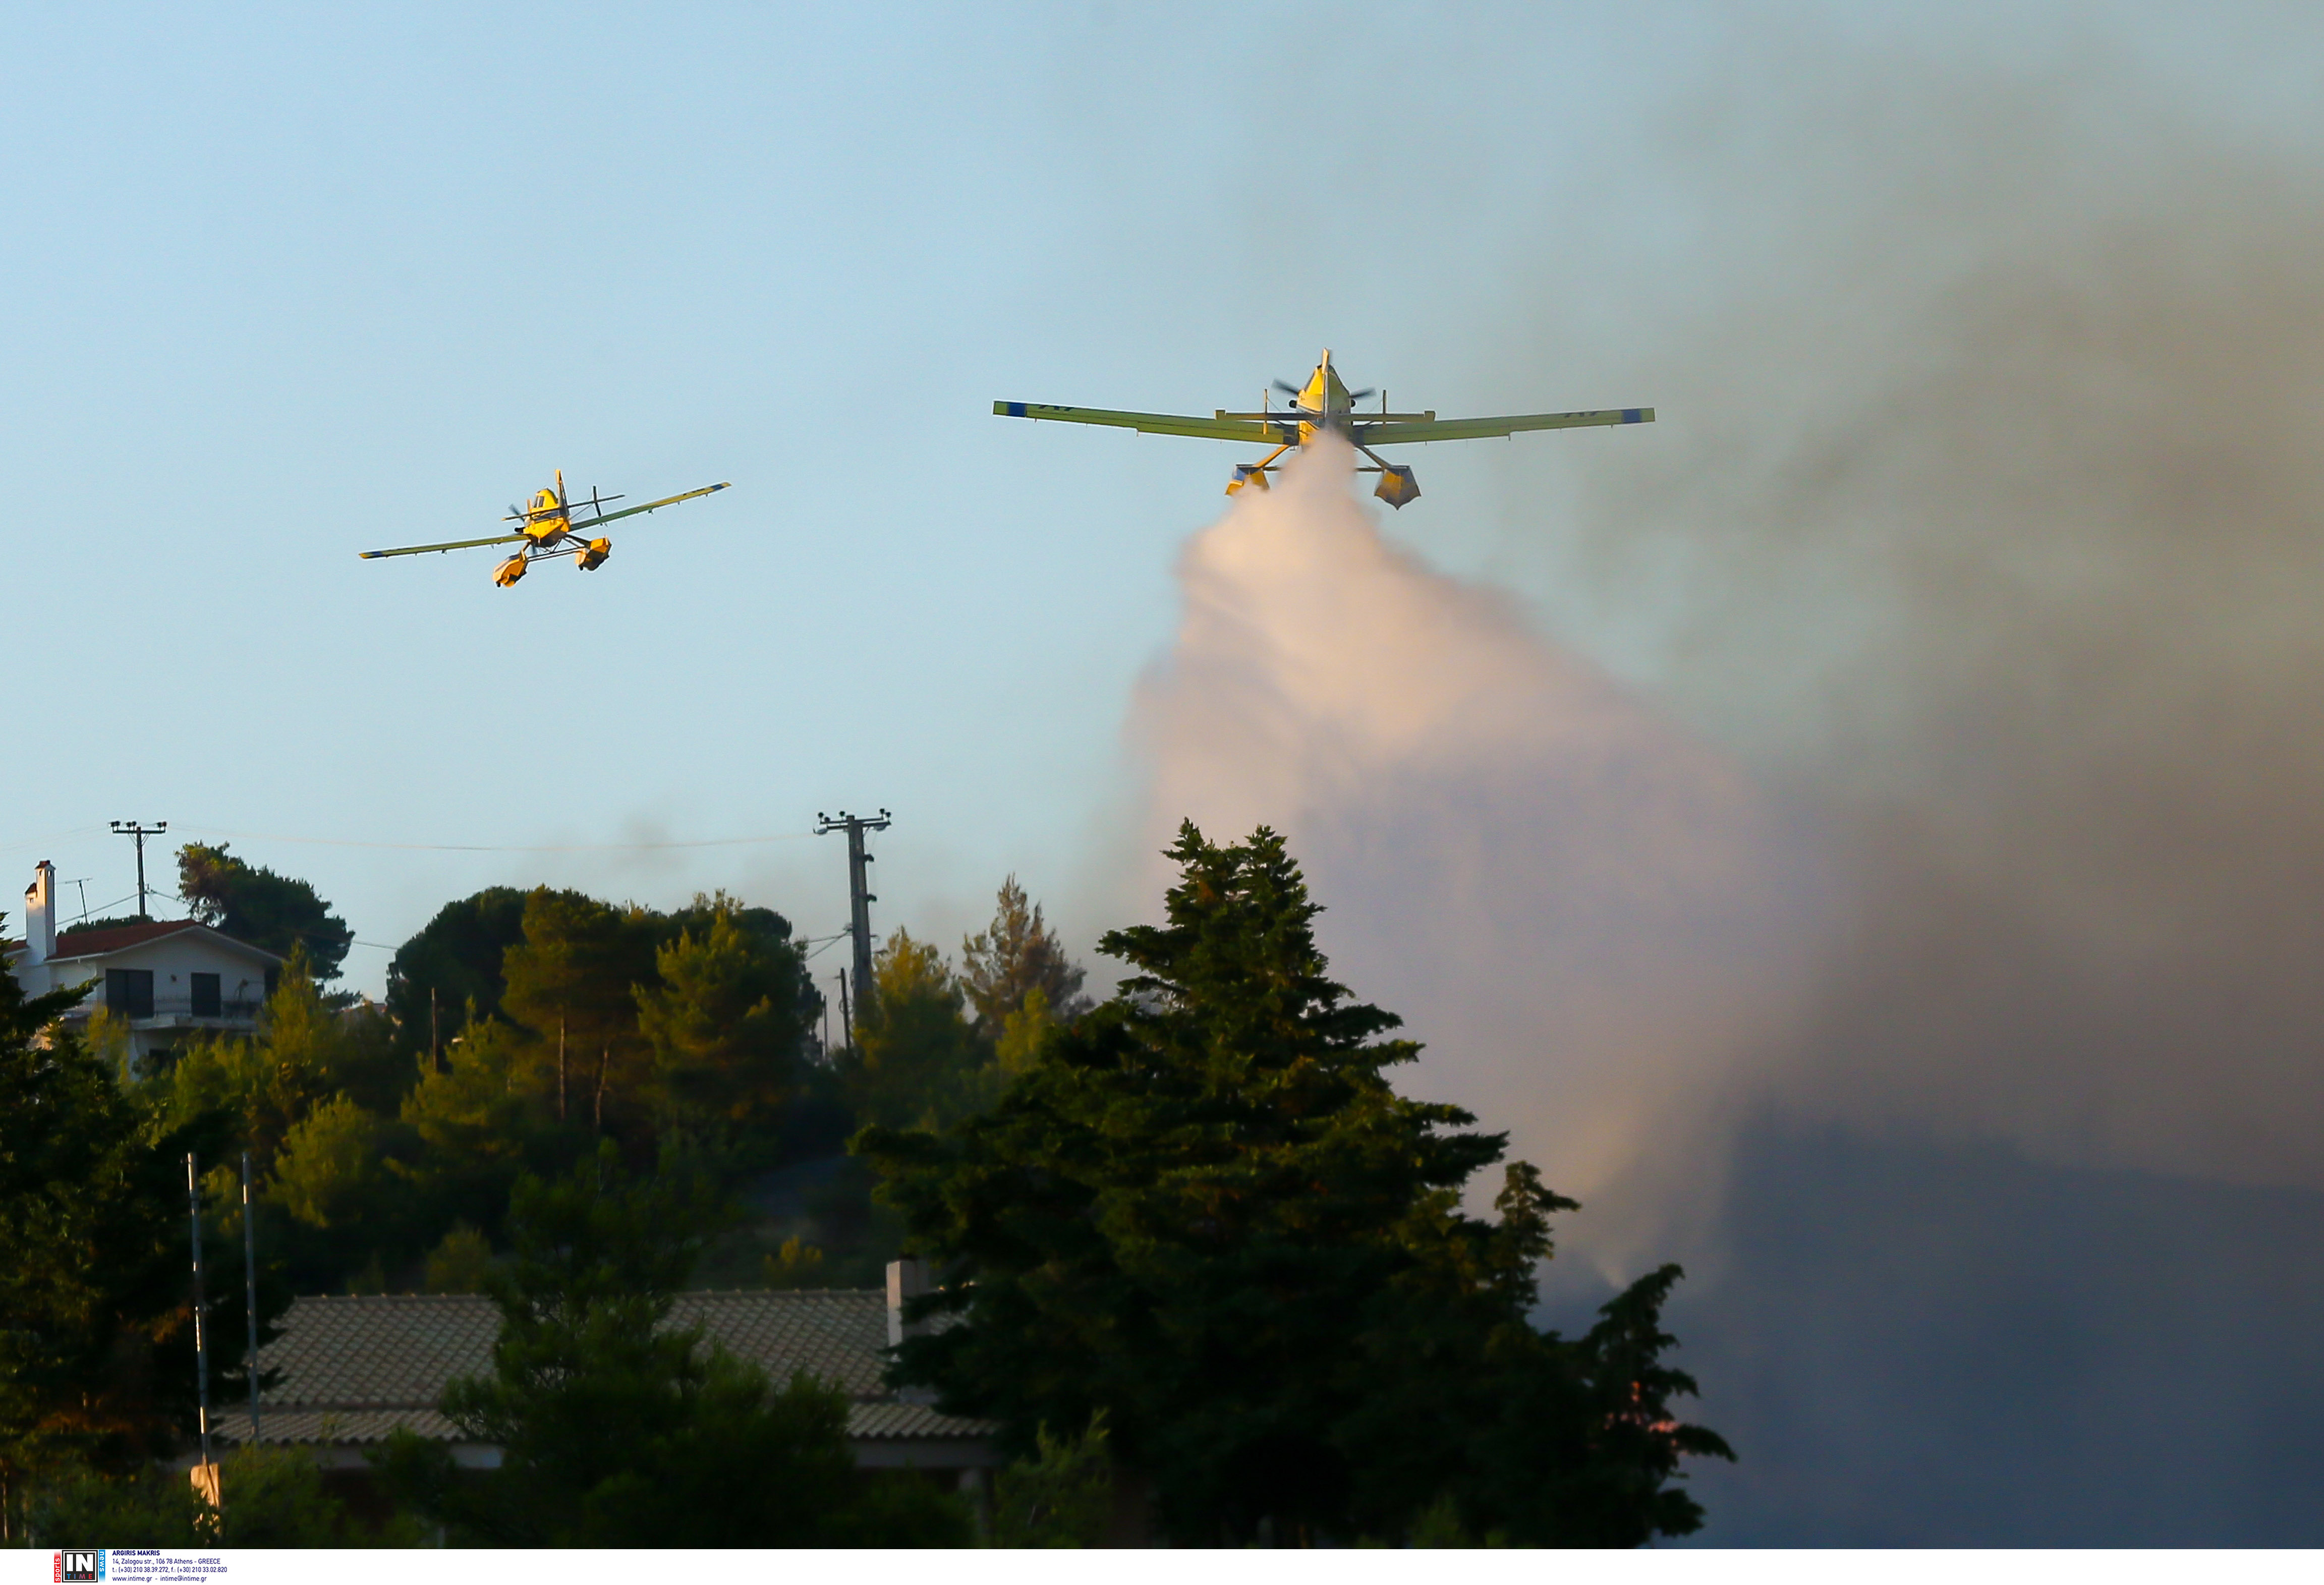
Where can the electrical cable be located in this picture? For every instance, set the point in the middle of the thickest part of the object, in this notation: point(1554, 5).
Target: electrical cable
point(477, 847)
point(42, 841)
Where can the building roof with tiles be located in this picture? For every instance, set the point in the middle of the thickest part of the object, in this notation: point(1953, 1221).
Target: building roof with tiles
point(354, 1369)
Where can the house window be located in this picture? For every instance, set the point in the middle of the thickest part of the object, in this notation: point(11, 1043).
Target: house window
point(129, 992)
point(206, 995)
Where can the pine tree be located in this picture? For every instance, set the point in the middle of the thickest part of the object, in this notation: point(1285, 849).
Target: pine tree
point(917, 1060)
point(450, 971)
point(252, 903)
point(1205, 1211)
point(727, 1019)
point(571, 983)
point(1014, 958)
point(618, 1430)
point(94, 1353)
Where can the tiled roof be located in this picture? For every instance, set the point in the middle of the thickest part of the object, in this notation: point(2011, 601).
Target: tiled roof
point(354, 1368)
point(357, 1427)
point(838, 1334)
point(891, 1421)
point(379, 1350)
point(885, 1422)
point(90, 943)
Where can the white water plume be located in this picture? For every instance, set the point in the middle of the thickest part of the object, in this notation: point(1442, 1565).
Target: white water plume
point(1586, 915)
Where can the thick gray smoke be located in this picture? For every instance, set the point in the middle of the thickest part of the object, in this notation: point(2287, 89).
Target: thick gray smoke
point(2016, 564)
point(1931, 949)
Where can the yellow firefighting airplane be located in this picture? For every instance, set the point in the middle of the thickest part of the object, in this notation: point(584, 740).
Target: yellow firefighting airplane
point(549, 530)
point(1323, 404)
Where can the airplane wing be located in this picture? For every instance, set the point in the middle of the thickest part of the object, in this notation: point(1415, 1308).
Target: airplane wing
point(513, 539)
point(1211, 429)
point(448, 544)
point(1397, 433)
point(650, 506)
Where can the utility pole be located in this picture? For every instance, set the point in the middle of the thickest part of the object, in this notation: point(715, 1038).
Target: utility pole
point(250, 1290)
point(860, 897)
point(141, 832)
point(201, 1338)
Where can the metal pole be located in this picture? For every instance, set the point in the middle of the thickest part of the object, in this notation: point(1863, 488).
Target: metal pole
point(250, 1289)
point(860, 898)
point(859, 909)
point(141, 831)
point(201, 1344)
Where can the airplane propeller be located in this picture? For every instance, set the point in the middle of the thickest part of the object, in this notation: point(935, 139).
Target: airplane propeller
point(1295, 392)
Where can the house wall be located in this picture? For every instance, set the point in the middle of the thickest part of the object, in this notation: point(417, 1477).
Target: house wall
point(173, 961)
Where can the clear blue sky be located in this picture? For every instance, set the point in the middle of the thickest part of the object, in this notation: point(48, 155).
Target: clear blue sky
point(287, 282)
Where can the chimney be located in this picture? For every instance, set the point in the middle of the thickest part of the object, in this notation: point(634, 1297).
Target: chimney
point(41, 916)
point(906, 1279)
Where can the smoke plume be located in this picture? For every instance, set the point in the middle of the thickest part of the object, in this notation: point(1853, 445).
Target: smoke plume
point(1586, 913)
point(1927, 947)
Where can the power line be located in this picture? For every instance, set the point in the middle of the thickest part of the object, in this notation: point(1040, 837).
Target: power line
point(51, 840)
point(484, 847)
point(813, 945)
point(101, 909)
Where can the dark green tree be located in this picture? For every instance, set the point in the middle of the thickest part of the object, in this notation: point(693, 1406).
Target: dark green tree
point(1014, 957)
point(617, 1430)
point(465, 1136)
point(1061, 1497)
point(571, 985)
point(726, 1020)
point(108, 922)
point(304, 1051)
point(274, 1497)
point(95, 1353)
point(254, 904)
point(917, 1060)
point(1204, 1210)
point(451, 970)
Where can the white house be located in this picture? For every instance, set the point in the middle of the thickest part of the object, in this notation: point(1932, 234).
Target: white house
point(165, 978)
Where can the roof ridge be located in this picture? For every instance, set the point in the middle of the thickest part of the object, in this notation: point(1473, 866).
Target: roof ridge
point(680, 1294)
point(769, 1292)
point(351, 1298)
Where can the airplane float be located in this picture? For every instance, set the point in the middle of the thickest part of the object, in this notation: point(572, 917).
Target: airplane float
point(548, 529)
point(1323, 405)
